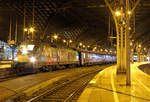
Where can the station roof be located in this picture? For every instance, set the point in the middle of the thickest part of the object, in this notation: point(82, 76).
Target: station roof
point(85, 21)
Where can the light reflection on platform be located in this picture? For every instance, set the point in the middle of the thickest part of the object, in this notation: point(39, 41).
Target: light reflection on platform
point(109, 87)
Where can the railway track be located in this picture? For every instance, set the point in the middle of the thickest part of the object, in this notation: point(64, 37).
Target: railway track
point(67, 91)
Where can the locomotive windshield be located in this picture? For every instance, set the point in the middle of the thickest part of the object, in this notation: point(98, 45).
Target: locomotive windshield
point(25, 49)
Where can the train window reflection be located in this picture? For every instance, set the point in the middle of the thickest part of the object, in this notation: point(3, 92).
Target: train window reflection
point(27, 47)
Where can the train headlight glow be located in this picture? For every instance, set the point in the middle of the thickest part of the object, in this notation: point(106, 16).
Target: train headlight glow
point(16, 59)
point(32, 59)
point(24, 51)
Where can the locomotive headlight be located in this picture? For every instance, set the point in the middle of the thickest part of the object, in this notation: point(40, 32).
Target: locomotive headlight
point(32, 59)
point(24, 51)
point(16, 59)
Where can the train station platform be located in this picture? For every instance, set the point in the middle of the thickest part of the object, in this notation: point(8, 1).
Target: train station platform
point(6, 70)
point(5, 64)
point(30, 84)
point(107, 86)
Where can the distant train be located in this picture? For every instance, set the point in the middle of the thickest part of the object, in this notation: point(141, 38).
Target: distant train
point(35, 56)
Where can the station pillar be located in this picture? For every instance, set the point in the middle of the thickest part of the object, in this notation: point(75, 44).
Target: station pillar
point(121, 12)
point(132, 55)
point(139, 55)
point(123, 45)
point(145, 57)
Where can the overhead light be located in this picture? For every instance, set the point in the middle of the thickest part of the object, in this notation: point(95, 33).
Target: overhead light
point(123, 22)
point(83, 46)
point(55, 36)
point(80, 44)
point(70, 41)
point(129, 28)
point(31, 29)
point(131, 43)
point(106, 50)
point(117, 13)
point(64, 41)
point(95, 47)
point(139, 45)
point(129, 12)
point(25, 29)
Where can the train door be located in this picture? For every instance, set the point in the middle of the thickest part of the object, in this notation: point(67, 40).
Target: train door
point(81, 61)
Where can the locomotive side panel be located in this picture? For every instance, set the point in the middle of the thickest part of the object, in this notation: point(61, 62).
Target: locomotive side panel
point(68, 56)
point(73, 57)
point(54, 58)
point(63, 56)
point(82, 58)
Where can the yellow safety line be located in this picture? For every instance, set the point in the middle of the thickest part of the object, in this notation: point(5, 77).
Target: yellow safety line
point(113, 87)
point(148, 89)
point(145, 74)
point(5, 66)
point(138, 70)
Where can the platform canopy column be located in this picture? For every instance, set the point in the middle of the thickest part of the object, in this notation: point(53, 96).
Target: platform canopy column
point(132, 56)
point(122, 10)
point(139, 53)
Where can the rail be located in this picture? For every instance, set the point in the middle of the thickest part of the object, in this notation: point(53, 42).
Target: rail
point(64, 84)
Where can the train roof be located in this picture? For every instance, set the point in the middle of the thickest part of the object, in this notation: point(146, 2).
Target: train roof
point(102, 53)
point(63, 47)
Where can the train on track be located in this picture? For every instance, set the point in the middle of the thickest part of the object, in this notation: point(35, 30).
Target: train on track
point(36, 56)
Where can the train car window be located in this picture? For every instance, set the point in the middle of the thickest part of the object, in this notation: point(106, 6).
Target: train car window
point(1, 50)
point(83, 55)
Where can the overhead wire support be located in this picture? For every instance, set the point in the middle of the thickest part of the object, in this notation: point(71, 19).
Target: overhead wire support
point(117, 30)
point(10, 29)
point(33, 10)
point(24, 21)
point(16, 31)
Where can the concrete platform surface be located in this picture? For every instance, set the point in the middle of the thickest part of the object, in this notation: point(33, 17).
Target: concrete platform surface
point(27, 84)
point(32, 83)
point(107, 86)
point(5, 66)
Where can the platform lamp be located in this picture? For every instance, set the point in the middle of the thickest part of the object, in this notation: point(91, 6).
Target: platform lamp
point(30, 30)
point(69, 43)
point(54, 38)
point(80, 45)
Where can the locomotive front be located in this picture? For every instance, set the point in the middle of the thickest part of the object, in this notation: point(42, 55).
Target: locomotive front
point(25, 59)
point(25, 53)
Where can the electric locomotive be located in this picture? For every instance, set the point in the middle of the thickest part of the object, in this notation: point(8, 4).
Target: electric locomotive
point(35, 56)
